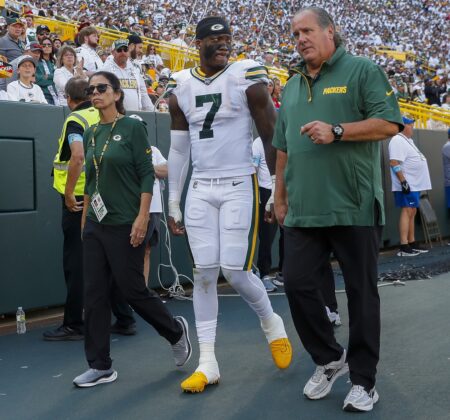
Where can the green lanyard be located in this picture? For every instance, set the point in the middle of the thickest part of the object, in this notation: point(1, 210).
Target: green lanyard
point(94, 159)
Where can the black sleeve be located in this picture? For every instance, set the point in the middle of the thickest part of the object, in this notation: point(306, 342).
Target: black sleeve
point(72, 128)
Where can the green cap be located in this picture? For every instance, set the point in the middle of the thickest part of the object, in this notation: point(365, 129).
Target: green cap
point(118, 43)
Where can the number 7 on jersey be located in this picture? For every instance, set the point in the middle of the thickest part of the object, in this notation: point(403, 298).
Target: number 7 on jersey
point(216, 99)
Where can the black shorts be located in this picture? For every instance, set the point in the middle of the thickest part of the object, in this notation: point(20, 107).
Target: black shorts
point(152, 237)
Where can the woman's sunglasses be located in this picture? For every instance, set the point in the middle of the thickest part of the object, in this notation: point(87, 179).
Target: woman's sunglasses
point(101, 88)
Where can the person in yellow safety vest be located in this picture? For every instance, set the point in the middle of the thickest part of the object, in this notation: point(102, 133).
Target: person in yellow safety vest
point(69, 180)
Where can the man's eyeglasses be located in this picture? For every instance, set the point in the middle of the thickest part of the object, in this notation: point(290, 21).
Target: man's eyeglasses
point(122, 49)
point(101, 88)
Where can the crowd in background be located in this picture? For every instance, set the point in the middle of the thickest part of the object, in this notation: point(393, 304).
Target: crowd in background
point(261, 30)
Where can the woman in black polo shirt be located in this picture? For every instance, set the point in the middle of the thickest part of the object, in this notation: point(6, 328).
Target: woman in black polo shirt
point(119, 182)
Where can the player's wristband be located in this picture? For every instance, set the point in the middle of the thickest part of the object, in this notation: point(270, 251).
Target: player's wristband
point(271, 200)
point(396, 168)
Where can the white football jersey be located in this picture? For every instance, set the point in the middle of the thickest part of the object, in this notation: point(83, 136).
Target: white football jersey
point(220, 124)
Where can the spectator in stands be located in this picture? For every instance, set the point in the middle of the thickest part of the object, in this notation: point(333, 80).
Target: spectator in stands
point(34, 50)
point(410, 176)
point(433, 91)
point(135, 50)
point(131, 81)
point(23, 89)
point(11, 46)
point(268, 58)
point(31, 30)
point(57, 44)
point(42, 31)
point(114, 224)
point(88, 38)
point(67, 67)
point(153, 58)
point(45, 71)
point(276, 94)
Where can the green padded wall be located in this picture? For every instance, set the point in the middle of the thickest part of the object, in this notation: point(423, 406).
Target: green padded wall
point(30, 210)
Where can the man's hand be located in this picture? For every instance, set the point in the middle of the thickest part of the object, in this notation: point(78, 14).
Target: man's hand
point(405, 187)
point(176, 228)
point(138, 230)
point(281, 210)
point(72, 204)
point(175, 218)
point(319, 132)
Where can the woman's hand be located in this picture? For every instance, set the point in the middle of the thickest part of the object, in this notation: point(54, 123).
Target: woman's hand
point(138, 230)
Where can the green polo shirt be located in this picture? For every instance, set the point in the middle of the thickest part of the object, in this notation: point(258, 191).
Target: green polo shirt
point(338, 183)
point(125, 172)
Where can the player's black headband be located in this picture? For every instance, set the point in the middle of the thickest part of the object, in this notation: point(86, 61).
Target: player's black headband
point(212, 25)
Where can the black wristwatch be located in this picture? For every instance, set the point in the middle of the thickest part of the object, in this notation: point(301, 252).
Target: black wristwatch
point(338, 132)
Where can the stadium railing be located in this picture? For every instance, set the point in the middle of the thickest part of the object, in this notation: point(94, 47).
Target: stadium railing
point(423, 113)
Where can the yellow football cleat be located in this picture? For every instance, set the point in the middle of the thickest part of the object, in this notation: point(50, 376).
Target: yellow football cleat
point(281, 352)
point(196, 382)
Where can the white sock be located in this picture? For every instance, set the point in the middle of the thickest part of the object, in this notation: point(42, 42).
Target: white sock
point(273, 327)
point(208, 364)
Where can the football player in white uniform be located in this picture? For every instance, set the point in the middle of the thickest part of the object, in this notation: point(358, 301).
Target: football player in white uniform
point(212, 107)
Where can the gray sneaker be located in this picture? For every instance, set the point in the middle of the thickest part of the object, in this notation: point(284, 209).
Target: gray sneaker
point(319, 385)
point(358, 399)
point(182, 350)
point(279, 279)
point(94, 377)
point(268, 285)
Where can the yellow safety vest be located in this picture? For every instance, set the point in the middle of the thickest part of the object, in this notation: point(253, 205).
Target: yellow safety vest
point(86, 118)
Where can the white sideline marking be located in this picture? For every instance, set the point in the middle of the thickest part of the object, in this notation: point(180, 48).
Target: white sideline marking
point(23, 367)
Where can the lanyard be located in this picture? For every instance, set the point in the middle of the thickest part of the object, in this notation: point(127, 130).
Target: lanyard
point(97, 165)
point(419, 153)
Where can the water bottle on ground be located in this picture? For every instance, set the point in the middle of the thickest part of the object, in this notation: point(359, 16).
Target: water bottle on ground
point(21, 323)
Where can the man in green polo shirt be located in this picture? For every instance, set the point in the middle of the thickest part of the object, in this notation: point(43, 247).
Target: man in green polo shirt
point(329, 197)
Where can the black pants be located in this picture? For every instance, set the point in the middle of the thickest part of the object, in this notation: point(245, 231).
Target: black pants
point(109, 257)
point(73, 275)
point(266, 235)
point(328, 288)
point(307, 251)
point(281, 250)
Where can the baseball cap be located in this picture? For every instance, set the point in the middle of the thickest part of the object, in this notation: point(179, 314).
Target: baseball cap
point(34, 46)
point(408, 120)
point(135, 39)
point(24, 59)
point(119, 43)
point(16, 22)
point(42, 28)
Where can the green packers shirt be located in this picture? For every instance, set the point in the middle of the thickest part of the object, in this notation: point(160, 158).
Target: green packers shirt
point(125, 172)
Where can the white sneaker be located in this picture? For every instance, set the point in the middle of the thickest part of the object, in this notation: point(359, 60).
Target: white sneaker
point(319, 385)
point(334, 317)
point(359, 400)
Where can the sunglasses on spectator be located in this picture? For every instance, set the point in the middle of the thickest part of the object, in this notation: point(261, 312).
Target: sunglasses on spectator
point(47, 45)
point(122, 49)
point(101, 88)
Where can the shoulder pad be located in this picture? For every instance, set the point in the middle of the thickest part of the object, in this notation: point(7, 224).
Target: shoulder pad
point(250, 69)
